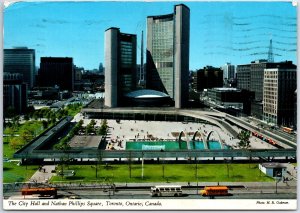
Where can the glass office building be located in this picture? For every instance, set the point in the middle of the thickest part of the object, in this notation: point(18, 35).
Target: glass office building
point(168, 54)
point(21, 60)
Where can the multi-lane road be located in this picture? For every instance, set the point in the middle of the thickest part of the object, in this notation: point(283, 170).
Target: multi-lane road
point(258, 191)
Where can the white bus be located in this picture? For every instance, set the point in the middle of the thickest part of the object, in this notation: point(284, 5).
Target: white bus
point(167, 190)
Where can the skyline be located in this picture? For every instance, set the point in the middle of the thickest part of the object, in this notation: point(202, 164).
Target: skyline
point(221, 32)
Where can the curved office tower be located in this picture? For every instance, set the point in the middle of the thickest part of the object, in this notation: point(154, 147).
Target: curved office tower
point(120, 66)
point(111, 69)
point(168, 54)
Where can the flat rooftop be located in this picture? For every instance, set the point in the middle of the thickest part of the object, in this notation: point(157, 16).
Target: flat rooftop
point(85, 141)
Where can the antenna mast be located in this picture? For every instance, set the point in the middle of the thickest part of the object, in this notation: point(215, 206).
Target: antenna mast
point(270, 53)
point(142, 58)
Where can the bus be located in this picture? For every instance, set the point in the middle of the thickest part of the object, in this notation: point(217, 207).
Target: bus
point(287, 129)
point(168, 190)
point(214, 191)
point(43, 192)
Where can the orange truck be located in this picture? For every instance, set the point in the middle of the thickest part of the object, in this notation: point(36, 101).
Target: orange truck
point(214, 191)
point(40, 191)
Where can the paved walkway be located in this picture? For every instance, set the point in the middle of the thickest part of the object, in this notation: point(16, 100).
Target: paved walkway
point(129, 130)
point(43, 175)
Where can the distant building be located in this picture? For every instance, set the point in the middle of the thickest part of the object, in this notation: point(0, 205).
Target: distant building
point(14, 92)
point(101, 69)
point(167, 54)
point(230, 99)
point(206, 78)
point(78, 78)
point(57, 71)
point(278, 96)
point(21, 60)
point(228, 73)
point(120, 66)
point(243, 76)
point(44, 93)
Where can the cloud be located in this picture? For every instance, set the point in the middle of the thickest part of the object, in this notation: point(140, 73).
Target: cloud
point(55, 21)
point(38, 26)
point(95, 22)
point(40, 45)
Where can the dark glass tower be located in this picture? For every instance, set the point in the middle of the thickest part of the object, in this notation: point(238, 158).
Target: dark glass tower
point(21, 60)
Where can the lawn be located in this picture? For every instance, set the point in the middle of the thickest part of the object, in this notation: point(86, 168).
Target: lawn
point(14, 173)
point(73, 109)
point(11, 171)
point(168, 173)
point(8, 151)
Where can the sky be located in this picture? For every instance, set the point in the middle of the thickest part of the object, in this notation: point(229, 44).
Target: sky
point(220, 32)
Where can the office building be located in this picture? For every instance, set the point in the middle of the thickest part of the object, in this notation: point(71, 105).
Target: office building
point(120, 66)
point(21, 60)
point(206, 78)
point(230, 99)
point(57, 71)
point(168, 54)
point(278, 96)
point(14, 92)
point(251, 77)
point(243, 76)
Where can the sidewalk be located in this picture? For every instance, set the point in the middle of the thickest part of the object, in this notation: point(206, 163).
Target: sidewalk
point(44, 174)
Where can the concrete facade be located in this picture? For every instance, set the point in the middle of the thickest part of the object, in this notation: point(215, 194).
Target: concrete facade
point(278, 96)
point(228, 72)
point(243, 76)
point(111, 69)
point(120, 66)
point(182, 49)
point(251, 77)
point(168, 54)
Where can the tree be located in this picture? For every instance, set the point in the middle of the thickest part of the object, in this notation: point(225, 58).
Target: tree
point(26, 117)
point(245, 142)
point(27, 134)
point(244, 136)
point(103, 127)
point(45, 124)
point(16, 142)
point(16, 120)
point(10, 132)
point(9, 112)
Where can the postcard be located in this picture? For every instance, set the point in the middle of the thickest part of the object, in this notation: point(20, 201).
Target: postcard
point(144, 105)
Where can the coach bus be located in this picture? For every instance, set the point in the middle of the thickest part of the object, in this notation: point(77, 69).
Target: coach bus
point(168, 190)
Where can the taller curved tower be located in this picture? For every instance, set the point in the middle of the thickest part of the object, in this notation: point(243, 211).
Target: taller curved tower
point(168, 40)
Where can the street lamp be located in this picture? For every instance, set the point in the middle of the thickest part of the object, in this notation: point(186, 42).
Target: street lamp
point(277, 179)
point(197, 174)
point(142, 165)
